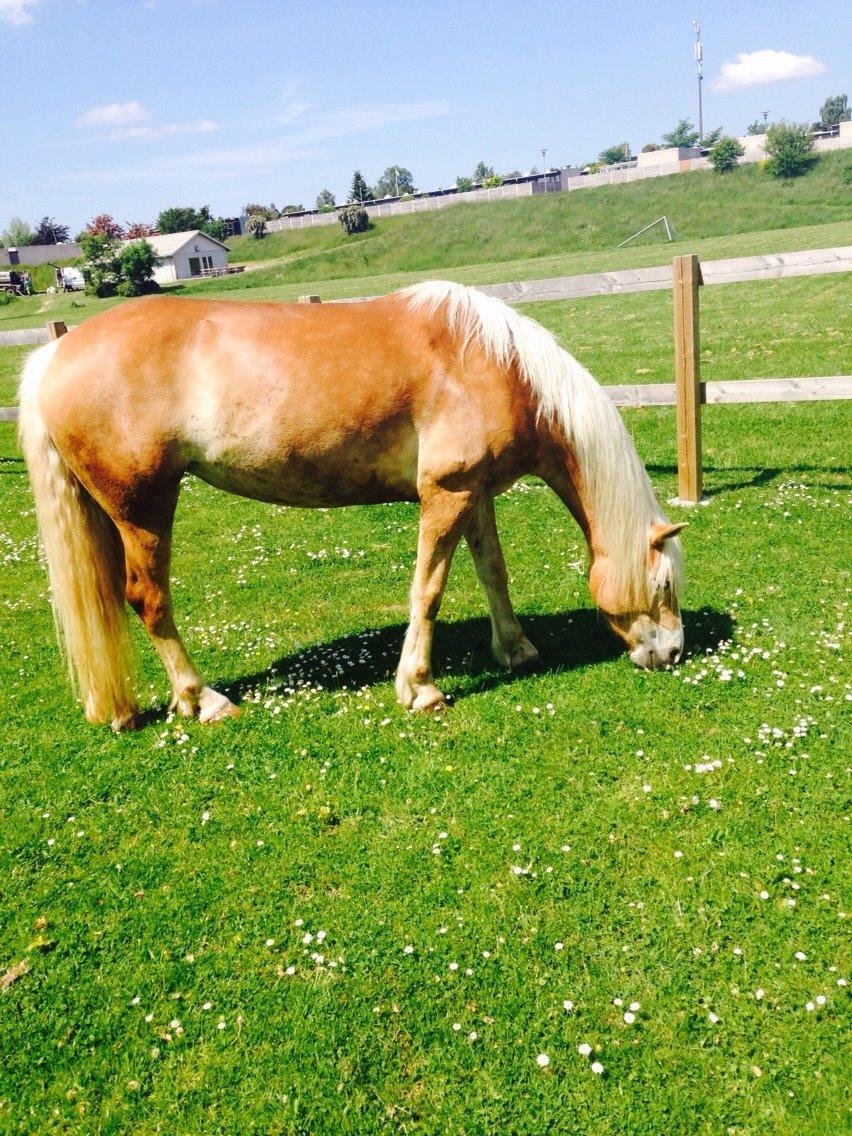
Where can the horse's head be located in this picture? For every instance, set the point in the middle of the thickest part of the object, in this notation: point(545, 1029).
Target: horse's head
point(652, 628)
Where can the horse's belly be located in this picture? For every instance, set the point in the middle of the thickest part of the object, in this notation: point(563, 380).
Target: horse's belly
point(366, 470)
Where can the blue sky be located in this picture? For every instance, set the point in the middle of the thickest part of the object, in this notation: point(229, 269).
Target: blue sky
point(129, 106)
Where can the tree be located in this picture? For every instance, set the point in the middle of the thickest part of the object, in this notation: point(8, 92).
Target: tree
point(325, 201)
point(137, 229)
point(18, 234)
point(684, 135)
point(285, 209)
point(394, 182)
point(186, 218)
point(756, 127)
point(835, 109)
point(354, 219)
point(136, 264)
point(257, 226)
point(512, 174)
point(712, 138)
point(48, 232)
point(789, 145)
point(613, 154)
point(481, 172)
point(650, 147)
point(359, 190)
point(106, 225)
point(101, 269)
point(492, 182)
point(725, 155)
point(464, 185)
point(267, 212)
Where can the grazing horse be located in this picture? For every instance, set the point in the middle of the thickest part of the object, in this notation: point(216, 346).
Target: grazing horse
point(436, 394)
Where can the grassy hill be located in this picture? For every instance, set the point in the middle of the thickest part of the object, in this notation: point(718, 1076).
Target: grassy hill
point(700, 205)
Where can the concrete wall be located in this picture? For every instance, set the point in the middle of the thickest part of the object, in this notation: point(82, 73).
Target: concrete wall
point(42, 254)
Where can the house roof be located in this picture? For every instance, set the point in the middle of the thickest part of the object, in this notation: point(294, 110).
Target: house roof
point(167, 244)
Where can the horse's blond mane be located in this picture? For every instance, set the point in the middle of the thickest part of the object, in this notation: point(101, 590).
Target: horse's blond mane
point(616, 488)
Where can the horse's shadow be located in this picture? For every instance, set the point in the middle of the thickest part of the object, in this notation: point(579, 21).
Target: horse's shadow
point(567, 641)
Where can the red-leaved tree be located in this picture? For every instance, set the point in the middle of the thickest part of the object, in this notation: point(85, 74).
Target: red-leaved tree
point(137, 229)
point(106, 226)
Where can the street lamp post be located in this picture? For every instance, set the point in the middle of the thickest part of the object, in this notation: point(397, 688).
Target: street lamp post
point(544, 166)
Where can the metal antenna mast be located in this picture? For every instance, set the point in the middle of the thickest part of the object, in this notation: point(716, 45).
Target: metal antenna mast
point(699, 67)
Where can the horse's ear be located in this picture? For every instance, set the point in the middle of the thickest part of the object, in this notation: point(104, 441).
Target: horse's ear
point(661, 533)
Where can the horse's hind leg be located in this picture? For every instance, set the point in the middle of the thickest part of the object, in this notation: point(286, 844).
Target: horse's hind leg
point(443, 517)
point(147, 557)
point(508, 642)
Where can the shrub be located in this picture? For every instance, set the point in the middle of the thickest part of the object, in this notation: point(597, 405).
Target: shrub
point(136, 263)
point(100, 264)
point(257, 226)
point(789, 146)
point(492, 182)
point(725, 155)
point(464, 184)
point(354, 219)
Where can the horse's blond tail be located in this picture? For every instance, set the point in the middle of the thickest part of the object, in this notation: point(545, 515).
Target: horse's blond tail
point(85, 565)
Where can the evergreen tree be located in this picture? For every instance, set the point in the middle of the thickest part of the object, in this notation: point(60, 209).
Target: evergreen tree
point(325, 200)
point(360, 191)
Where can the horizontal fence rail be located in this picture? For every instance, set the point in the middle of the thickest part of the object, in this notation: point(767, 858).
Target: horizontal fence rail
point(739, 269)
point(826, 389)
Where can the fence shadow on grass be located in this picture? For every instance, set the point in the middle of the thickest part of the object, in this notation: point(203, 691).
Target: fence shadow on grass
point(755, 476)
point(567, 641)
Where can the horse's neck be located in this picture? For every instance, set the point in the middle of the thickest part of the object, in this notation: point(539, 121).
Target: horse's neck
point(559, 470)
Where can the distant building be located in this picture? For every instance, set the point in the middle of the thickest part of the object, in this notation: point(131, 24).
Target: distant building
point(180, 256)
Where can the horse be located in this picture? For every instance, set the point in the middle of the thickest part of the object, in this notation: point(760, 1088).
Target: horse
point(436, 394)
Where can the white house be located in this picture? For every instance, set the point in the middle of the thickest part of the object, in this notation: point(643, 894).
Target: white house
point(184, 255)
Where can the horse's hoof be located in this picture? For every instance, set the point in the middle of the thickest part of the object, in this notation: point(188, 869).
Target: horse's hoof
point(522, 657)
point(131, 720)
point(525, 659)
point(214, 707)
point(429, 698)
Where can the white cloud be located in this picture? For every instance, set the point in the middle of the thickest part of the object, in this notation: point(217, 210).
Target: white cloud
point(167, 130)
point(753, 67)
point(366, 116)
point(17, 12)
point(113, 114)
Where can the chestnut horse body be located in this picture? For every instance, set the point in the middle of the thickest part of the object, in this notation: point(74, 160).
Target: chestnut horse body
point(436, 394)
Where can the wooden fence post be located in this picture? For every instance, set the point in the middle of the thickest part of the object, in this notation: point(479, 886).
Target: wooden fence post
point(55, 328)
point(687, 336)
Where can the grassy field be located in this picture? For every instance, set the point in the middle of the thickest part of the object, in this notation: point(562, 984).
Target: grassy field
point(331, 917)
point(744, 213)
point(701, 205)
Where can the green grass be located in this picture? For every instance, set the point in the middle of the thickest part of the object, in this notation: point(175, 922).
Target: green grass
point(740, 214)
point(700, 205)
point(73, 309)
point(325, 805)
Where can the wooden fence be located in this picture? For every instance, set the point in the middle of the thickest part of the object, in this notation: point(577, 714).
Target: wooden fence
point(687, 394)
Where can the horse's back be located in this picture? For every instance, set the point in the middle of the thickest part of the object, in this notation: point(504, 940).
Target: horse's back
point(304, 404)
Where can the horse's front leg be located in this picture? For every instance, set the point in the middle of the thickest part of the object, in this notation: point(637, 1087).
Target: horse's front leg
point(509, 644)
point(443, 517)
